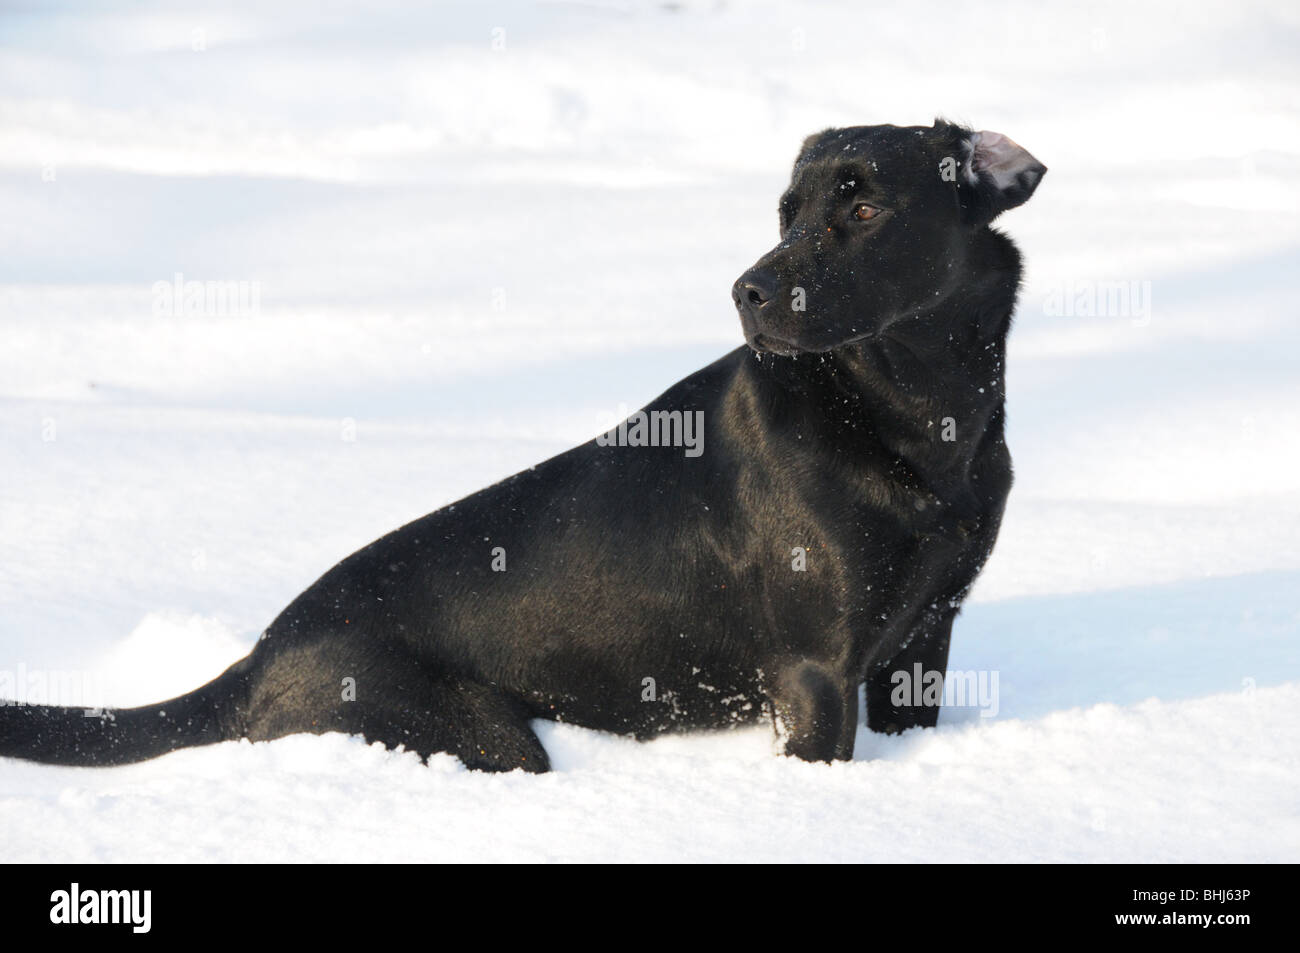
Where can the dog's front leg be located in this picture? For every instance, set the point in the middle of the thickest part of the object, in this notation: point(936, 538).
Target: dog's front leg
point(818, 711)
point(897, 703)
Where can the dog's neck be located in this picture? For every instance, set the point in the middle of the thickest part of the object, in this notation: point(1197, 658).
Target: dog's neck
point(930, 387)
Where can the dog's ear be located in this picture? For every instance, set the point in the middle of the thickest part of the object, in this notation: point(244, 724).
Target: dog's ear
point(809, 144)
point(996, 175)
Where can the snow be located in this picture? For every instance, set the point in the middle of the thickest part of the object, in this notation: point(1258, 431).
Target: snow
point(469, 258)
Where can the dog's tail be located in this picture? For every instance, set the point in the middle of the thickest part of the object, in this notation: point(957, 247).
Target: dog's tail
point(102, 737)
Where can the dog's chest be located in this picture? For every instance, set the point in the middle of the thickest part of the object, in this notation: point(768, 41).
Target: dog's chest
point(902, 548)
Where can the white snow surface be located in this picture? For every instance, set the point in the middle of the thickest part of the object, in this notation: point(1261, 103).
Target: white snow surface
point(481, 228)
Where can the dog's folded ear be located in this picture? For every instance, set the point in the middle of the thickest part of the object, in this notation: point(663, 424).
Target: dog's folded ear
point(997, 175)
point(809, 144)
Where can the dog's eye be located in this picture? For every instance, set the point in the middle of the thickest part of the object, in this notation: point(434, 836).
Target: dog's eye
point(864, 212)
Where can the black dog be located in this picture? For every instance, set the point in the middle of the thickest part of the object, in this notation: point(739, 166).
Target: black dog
point(802, 516)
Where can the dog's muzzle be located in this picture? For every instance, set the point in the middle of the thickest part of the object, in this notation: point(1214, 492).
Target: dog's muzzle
point(752, 294)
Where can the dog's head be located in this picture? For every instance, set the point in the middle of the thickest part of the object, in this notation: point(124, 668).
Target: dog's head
point(876, 226)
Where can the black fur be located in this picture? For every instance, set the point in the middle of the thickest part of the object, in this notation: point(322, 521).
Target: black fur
point(628, 564)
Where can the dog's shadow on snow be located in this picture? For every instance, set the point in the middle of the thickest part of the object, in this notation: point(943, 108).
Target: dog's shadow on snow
point(1175, 641)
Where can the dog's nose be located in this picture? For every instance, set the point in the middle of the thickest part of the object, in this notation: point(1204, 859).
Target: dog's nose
point(754, 288)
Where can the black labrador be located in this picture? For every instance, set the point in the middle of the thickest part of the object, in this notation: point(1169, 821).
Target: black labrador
point(802, 516)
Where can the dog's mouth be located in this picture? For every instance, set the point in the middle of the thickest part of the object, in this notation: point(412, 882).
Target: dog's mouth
point(767, 344)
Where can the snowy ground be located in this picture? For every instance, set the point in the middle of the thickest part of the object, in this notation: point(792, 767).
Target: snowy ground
point(460, 222)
